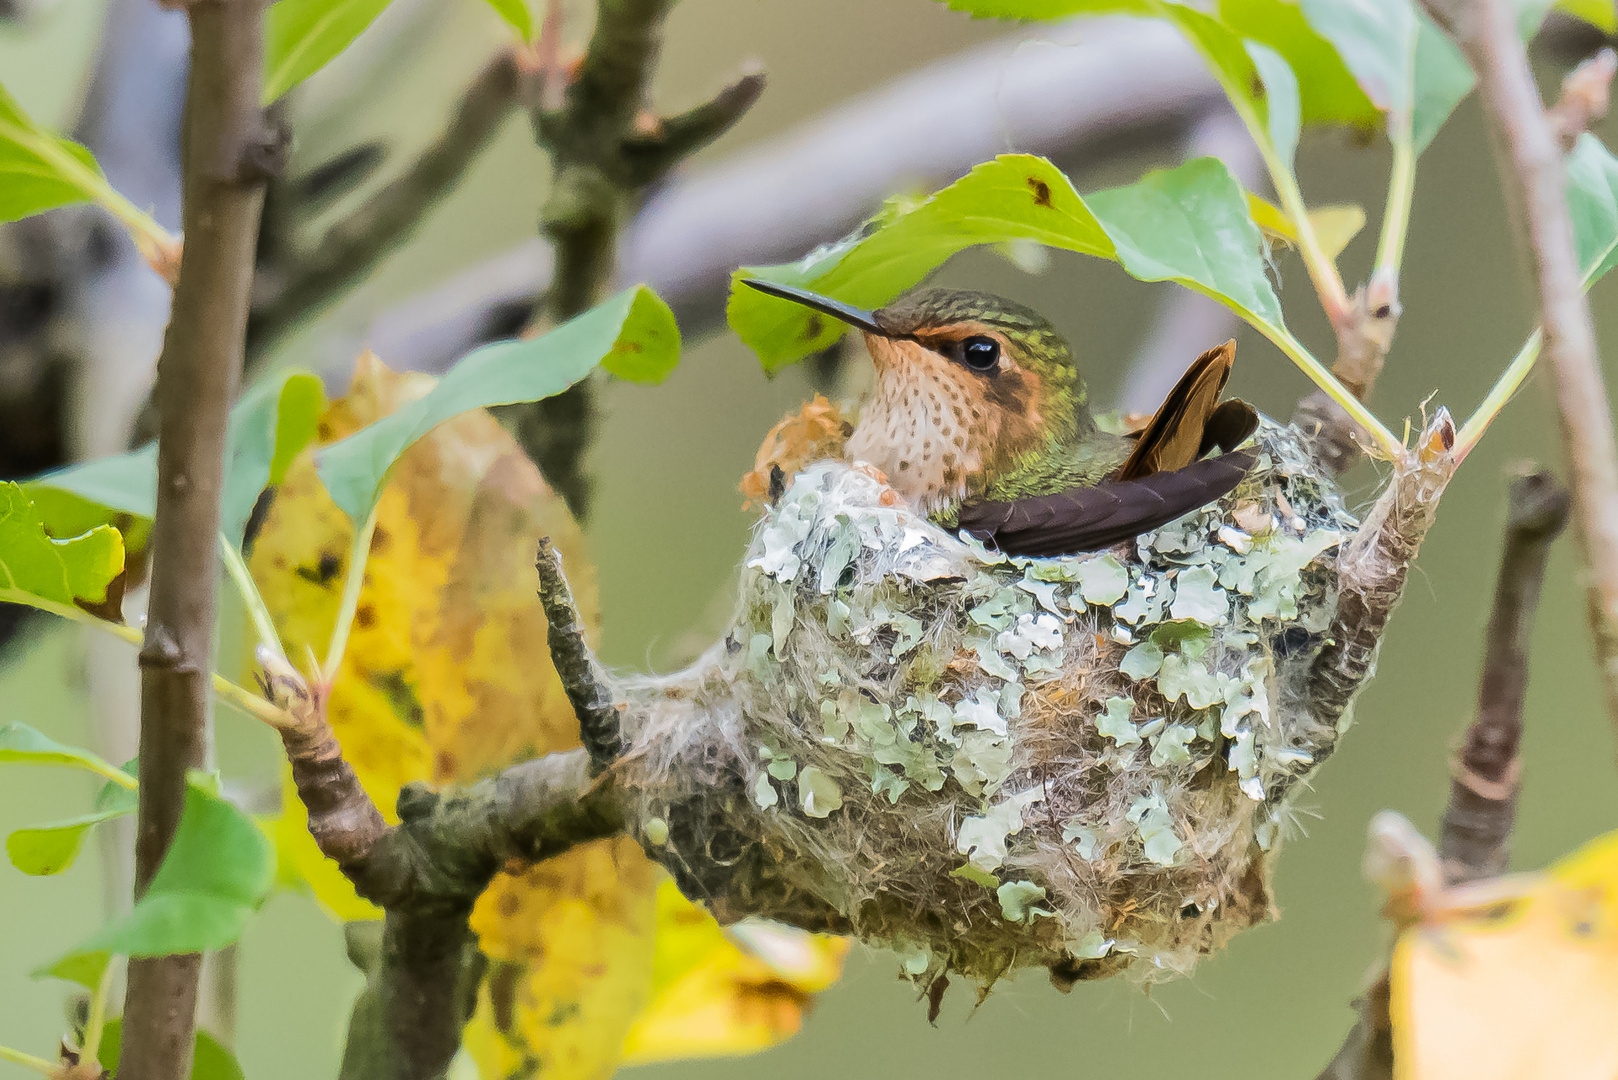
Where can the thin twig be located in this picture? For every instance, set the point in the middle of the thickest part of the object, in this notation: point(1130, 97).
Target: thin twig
point(1474, 840)
point(1531, 167)
point(604, 154)
point(1363, 341)
point(351, 247)
point(229, 153)
point(582, 680)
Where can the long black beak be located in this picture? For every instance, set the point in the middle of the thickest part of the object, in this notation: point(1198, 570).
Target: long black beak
point(847, 313)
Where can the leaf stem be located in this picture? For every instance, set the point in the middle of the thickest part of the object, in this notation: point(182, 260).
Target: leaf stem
point(1401, 190)
point(247, 589)
point(1504, 389)
point(28, 1061)
point(1387, 442)
point(351, 598)
point(1322, 270)
point(96, 1024)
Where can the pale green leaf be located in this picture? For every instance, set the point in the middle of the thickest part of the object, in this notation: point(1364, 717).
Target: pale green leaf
point(634, 329)
point(40, 170)
point(303, 399)
point(518, 16)
point(21, 744)
point(1592, 197)
point(50, 849)
point(1405, 64)
point(34, 567)
point(303, 36)
point(84, 968)
point(217, 872)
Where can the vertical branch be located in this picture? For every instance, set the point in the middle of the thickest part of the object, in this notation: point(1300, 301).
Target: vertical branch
point(228, 153)
point(605, 152)
point(1532, 170)
point(1477, 824)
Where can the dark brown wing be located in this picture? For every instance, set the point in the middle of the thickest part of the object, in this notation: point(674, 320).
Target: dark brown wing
point(1095, 517)
point(1173, 438)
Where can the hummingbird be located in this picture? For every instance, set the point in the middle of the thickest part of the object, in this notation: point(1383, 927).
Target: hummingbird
point(980, 419)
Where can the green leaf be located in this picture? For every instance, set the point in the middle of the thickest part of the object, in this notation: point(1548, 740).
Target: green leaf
point(209, 1058)
point(1327, 91)
point(34, 567)
point(217, 872)
point(24, 745)
point(303, 36)
point(50, 849)
point(518, 15)
point(85, 969)
point(1592, 197)
point(40, 170)
point(633, 331)
point(1406, 65)
point(273, 421)
point(1189, 225)
point(303, 399)
point(1257, 79)
point(1014, 197)
point(271, 424)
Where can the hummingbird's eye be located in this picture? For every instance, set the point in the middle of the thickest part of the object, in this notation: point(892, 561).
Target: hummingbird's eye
point(980, 353)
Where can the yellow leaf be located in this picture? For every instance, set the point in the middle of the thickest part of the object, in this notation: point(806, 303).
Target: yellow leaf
point(447, 678)
point(1335, 226)
point(1602, 14)
point(717, 992)
point(1526, 989)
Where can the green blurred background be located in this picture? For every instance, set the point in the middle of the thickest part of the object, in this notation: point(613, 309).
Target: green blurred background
point(668, 529)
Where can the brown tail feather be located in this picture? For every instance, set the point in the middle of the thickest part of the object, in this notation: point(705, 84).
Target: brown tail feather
point(1173, 438)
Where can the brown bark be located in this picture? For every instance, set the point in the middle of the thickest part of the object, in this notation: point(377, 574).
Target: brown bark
point(228, 154)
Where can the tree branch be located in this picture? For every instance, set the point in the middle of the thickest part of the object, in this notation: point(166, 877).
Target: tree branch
point(427, 871)
point(1476, 832)
point(604, 155)
point(575, 663)
point(1078, 85)
point(350, 248)
point(227, 157)
point(1531, 167)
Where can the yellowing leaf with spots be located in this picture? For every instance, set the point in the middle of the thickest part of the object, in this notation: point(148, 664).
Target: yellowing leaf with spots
point(1524, 989)
point(446, 678)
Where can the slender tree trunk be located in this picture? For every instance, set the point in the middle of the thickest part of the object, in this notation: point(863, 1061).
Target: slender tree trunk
point(227, 156)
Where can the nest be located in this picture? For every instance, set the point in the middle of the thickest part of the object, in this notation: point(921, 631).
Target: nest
point(985, 762)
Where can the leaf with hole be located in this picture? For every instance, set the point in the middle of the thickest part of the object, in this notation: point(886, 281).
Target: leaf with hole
point(41, 571)
point(1190, 225)
point(633, 335)
point(303, 36)
point(1327, 91)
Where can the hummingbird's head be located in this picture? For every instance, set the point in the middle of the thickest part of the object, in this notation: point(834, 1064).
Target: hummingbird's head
point(968, 384)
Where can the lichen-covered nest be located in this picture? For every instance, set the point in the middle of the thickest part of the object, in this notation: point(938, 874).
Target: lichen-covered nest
point(986, 762)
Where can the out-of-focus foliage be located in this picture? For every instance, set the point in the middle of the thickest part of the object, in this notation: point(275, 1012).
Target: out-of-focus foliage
point(447, 678)
point(1524, 988)
point(39, 570)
